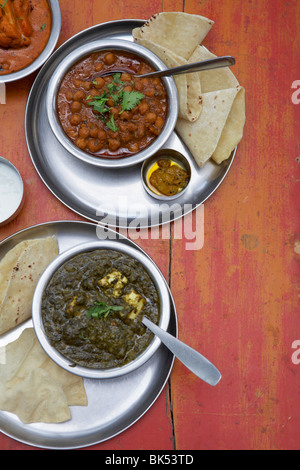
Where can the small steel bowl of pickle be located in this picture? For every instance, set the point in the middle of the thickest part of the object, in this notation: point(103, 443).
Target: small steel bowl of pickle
point(89, 304)
point(166, 175)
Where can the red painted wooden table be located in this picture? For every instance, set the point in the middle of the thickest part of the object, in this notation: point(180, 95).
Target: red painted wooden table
point(236, 297)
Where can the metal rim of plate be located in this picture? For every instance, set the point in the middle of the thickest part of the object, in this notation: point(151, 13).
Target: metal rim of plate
point(112, 197)
point(114, 405)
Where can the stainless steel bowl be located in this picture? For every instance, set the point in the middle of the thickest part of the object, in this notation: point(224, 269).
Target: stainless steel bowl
point(41, 59)
point(14, 199)
point(65, 363)
point(75, 56)
point(166, 153)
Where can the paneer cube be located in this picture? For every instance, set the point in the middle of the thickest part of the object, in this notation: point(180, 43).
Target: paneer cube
point(115, 279)
point(136, 301)
point(71, 307)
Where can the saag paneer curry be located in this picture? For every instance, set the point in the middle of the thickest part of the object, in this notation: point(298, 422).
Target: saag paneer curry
point(92, 309)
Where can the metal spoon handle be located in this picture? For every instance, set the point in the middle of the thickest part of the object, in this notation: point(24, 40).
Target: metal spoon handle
point(193, 360)
point(225, 61)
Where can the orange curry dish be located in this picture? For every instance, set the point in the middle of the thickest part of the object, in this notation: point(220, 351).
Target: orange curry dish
point(25, 27)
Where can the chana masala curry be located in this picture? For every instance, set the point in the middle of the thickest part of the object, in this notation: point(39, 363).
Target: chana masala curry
point(111, 116)
point(92, 309)
point(25, 27)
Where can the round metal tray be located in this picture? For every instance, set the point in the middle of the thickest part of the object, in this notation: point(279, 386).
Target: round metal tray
point(113, 197)
point(124, 400)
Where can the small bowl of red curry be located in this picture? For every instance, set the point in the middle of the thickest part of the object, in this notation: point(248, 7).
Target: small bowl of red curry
point(105, 115)
point(29, 31)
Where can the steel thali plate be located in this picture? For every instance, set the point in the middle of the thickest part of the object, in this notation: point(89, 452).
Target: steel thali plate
point(114, 197)
point(113, 404)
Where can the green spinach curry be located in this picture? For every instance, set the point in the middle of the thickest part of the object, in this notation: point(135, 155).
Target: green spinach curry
point(92, 309)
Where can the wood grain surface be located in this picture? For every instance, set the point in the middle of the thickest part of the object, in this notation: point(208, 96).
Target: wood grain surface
point(237, 295)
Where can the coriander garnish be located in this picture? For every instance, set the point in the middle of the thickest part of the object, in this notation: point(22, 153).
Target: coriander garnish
point(126, 99)
point(101, 309)
point(111, 124)
point(2, 5)
point(99, 103)
point(130, 99)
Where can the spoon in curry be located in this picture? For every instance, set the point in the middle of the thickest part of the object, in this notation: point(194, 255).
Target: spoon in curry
point(218, 62)
point(193, 360)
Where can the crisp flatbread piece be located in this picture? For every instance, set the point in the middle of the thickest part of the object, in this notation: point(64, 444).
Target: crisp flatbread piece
point(33, 387)
point(20, 270)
